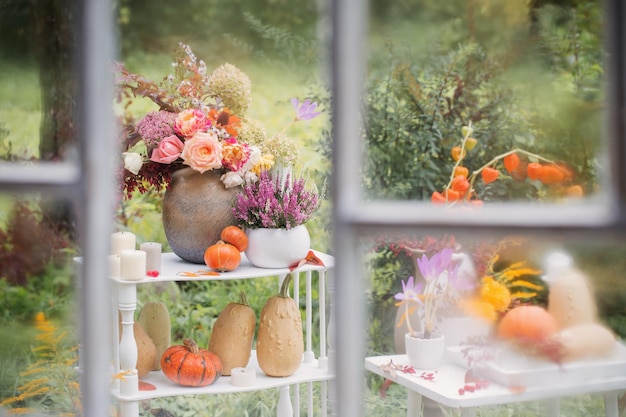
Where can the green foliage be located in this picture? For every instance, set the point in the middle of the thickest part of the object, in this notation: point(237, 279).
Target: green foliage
point(30, 242)
point(149, 25)
point(384, 271)
point(415, 115)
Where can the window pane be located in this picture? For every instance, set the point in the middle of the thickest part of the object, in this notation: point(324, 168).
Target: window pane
point(38, 326)
point(510, 307)
point(38, 84)
point(507, 94)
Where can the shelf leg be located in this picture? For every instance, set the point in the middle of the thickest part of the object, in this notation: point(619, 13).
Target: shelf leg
point(610, 404)
point(284, 409)
point(413, 404)
point(129, 385)
point(129, 408)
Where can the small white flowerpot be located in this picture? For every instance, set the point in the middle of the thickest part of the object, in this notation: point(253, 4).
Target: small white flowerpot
point(424, 353)
point(277, 248)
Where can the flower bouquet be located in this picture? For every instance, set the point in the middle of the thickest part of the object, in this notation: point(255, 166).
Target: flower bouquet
point(202, 123)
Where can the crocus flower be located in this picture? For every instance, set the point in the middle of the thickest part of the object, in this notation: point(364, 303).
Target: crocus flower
point(410, 291)
point(304, 111)
point(433, 267)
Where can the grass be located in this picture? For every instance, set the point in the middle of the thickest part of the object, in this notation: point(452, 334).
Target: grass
point(20, 106)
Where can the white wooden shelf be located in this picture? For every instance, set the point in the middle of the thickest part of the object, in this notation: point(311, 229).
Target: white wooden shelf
point(308, 372)
point(173, 268)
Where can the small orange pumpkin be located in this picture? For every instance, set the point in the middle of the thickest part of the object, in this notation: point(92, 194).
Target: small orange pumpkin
point(235, 236)
point(190, 366)
point(528, 324)
point(222, 257)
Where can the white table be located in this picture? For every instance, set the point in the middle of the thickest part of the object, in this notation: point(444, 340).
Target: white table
point(449, 377)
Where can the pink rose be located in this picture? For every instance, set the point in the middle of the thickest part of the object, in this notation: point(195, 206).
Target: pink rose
point(203, 152)
point(189, 121)
point(168, 151)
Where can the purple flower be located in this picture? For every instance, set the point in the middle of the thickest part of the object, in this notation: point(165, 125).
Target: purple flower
point(156, 126)
point(436, 265)
point(304, 111)
point(410, 291)
point(270, 203)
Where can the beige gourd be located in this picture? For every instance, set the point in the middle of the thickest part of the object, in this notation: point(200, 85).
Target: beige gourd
point(155, 319)
point(571, 302)
point(233, 333)
point(280, 342)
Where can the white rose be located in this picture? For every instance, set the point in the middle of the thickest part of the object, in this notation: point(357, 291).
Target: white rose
point(250, 177)
point(231, 179)
point(132, 162)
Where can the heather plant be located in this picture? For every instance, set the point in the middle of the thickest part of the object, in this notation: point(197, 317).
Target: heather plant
point(276, 202)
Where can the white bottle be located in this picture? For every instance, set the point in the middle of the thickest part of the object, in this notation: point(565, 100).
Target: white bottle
point(571, 301)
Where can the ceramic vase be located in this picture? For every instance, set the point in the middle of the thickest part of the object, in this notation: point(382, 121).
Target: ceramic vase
point(277, 248)
point(196, 207)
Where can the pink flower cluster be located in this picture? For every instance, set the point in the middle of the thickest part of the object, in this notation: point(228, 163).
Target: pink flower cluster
point(190, 137)
point(273, 203)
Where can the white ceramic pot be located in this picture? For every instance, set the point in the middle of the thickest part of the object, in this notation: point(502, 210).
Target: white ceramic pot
point(424, 353)
point(277, 248)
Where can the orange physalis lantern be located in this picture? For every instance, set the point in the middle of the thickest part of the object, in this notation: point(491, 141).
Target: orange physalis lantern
point(460, 184)
point(511, 162)
point(489, 174)
point(533, 170)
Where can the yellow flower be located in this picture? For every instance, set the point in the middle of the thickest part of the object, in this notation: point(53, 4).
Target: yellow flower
point(265, 164)
point(495, 293)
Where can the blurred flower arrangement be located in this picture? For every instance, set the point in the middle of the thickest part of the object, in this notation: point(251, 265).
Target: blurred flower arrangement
point(503, 287)
point(518, 163)
point(202, 123)
point(276, 202)
point(442, 281)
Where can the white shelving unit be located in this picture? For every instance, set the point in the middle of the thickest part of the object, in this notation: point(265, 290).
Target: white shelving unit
point(313, 369)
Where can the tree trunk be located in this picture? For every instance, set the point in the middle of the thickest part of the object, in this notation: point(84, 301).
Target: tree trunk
point(54, 46)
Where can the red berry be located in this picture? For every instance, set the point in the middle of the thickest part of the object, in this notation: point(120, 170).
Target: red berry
point(153, 274)
point(461, 391)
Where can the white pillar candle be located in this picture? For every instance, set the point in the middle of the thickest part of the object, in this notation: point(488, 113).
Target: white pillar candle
point(114, 266)
point(122, 241)
point(153, 255)
point(242, 377)
point(132, 265)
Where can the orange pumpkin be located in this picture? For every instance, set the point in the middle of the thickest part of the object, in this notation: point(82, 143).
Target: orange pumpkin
point(190, 366)
point(527, 323)
point(222, 257)
point(236, 237)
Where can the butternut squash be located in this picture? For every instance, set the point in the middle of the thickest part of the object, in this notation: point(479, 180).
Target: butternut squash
point(155, 320)
point(232, 335)
point(571, 301)
point(280, 342)
point(586, 341)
